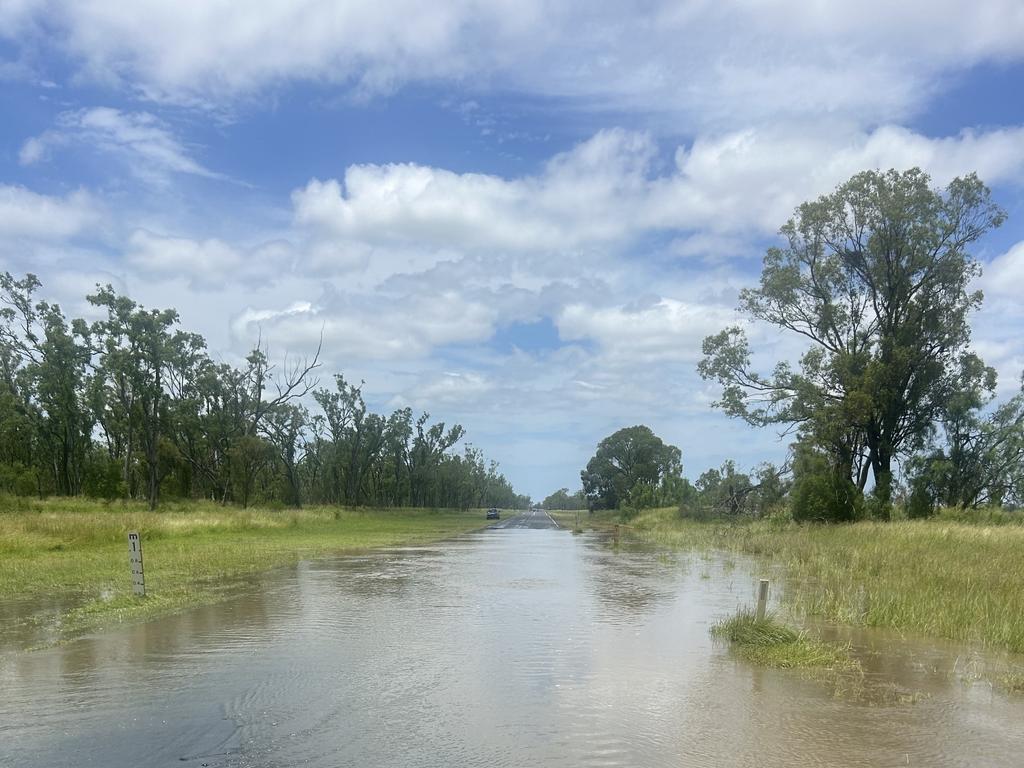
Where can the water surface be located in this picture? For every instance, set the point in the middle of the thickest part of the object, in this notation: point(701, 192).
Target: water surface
point(512, 647)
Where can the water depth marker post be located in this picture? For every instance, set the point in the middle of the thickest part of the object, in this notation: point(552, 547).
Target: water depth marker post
point(762, 599)
point(135, 561)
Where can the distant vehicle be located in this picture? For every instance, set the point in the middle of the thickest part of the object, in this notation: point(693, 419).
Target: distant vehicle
point(493, 514)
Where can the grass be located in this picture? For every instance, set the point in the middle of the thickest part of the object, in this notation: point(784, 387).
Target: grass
point(769, 643)
point(1012, 682)
point(73, 553)
point(947, 579)
point(588, 521)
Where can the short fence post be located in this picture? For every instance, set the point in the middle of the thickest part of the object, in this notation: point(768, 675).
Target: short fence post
point(762, 599)
point(135, 562)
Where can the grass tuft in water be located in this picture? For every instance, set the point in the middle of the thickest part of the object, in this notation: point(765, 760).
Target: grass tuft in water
point(770, 643)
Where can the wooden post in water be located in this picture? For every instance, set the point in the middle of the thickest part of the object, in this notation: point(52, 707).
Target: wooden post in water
point(762, 599)
point(135, 562)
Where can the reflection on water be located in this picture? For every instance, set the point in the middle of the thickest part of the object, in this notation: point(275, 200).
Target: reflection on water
point(502, 648)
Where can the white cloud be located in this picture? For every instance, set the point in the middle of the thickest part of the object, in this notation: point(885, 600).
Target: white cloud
point(142, 141)
point(1004, 275)
point(377, 327)
point(608, 189)
point(27, 215)
point(207, 263)
point(872, 61)
point(663, 329)
point(997, 328)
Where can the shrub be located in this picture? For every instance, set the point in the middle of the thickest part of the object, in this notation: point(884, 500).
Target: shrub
point(921, 504)
point(825, 496)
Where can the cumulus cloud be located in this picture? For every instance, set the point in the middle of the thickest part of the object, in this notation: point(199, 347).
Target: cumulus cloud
point(207, 263)
point(705, 60)
point(141, 140)
point(997, 327)
point(610, 188)
point(1004, 276)
point(657, 330)
point(374, 327)
point(25, 214)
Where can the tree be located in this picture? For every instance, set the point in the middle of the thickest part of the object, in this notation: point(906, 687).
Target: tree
point(44, 360)
point(136, 348)
point(876, 278)
point(282, 428)
point(627, 460)
point(981, 460)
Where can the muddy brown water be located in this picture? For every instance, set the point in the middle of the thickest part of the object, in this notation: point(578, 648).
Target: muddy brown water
point(511, 647)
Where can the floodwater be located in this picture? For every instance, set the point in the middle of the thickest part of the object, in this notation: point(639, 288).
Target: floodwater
point(507, 647)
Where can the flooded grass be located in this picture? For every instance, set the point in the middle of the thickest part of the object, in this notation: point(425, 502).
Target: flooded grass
point(770, 643)
point(941, 578)
point(74, 552)
point(587, 521)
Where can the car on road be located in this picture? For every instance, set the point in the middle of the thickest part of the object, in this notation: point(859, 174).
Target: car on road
point(493, 514)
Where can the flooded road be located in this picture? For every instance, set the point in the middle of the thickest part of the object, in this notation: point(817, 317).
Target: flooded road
point(509, 647)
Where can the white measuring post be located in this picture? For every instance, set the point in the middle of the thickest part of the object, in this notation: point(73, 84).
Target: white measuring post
point(135, 561)
point(762, 599)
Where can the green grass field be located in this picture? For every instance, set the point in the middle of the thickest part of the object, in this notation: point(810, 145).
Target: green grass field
point(74, 553)
point(957, 580)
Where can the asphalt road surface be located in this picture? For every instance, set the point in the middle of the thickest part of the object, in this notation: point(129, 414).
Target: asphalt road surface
point(534, 518)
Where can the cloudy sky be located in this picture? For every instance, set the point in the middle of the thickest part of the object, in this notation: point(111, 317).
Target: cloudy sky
point(516, 214)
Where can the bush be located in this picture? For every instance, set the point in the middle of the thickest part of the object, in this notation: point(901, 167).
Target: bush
point(920, 505)
point(825, 496)
point(102, 477)
point(18, 480)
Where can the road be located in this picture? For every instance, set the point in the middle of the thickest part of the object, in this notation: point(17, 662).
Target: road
point(533, 518)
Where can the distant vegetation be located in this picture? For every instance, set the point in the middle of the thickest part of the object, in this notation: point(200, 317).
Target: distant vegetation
point(562, 499)
point(133, 407)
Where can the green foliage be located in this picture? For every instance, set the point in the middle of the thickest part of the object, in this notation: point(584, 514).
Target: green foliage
point(821, 491)
point(980, 460)
point(632, 463)
point(725, 492)
point(132, 406)
point(921, 503)
point(102, 478)
point(876, 277)
point(18, 480)
point(562, 499)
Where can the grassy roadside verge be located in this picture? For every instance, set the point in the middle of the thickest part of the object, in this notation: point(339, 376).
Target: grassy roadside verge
point(588, 521)
point(952, 580)
point(69, 557)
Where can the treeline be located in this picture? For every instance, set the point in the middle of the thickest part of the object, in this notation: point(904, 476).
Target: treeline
point(562, 499)
point(132, 406)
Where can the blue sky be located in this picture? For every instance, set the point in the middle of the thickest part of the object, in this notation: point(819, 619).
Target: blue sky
point(524, 216)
